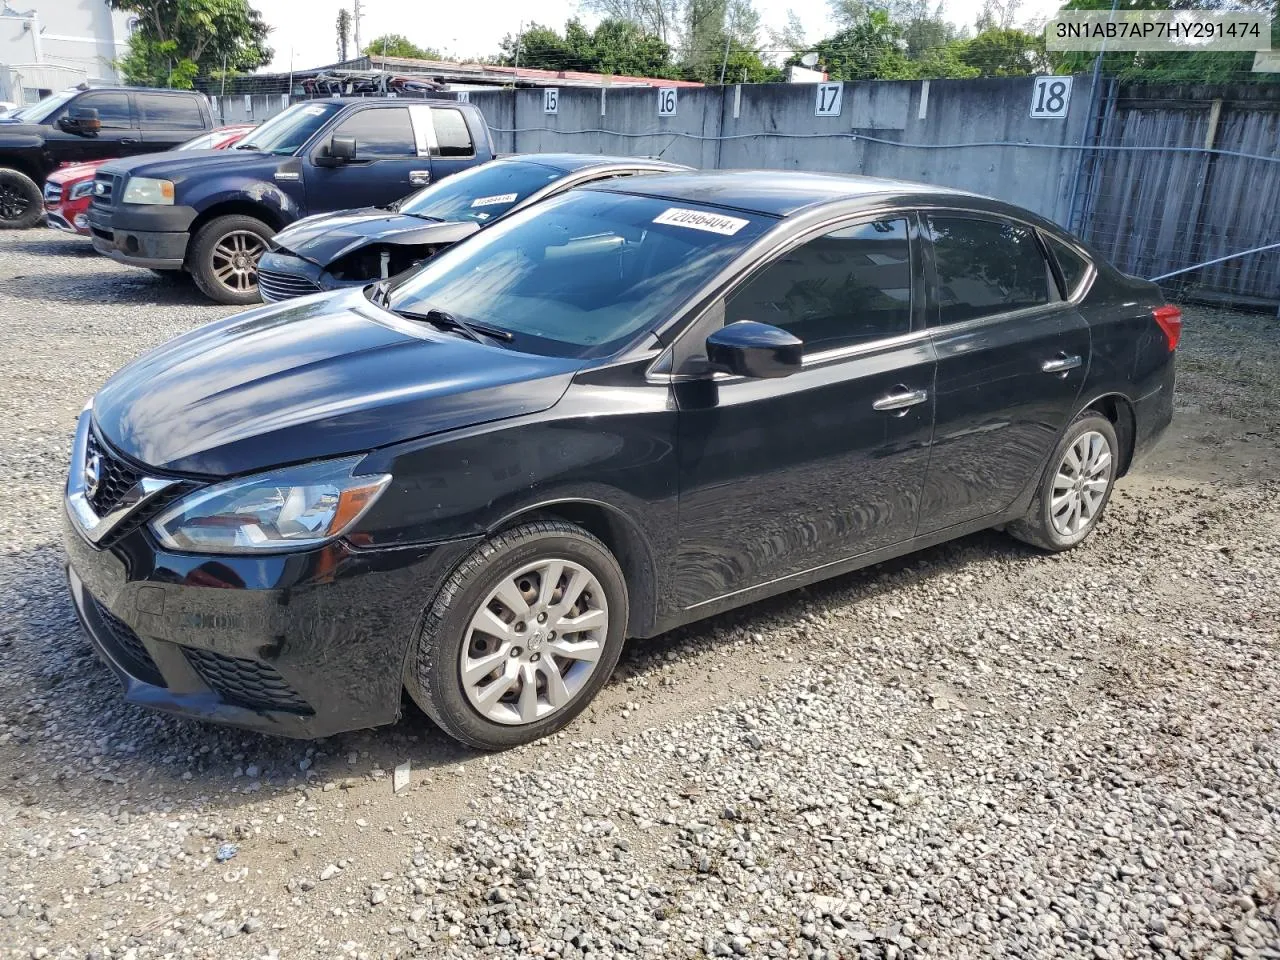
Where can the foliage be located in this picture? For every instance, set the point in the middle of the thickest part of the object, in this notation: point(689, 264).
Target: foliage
point(398, 45)
point(343, 27)
point(179, 40)
point(615, 46)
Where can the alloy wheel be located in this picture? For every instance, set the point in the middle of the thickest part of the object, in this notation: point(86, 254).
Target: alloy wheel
point(1080, 485)
point(533, 644)
point(13, 204)
point(235, 260)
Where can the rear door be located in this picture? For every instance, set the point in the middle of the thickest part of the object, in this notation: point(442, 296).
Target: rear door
point(119, 136)
point(452, 148)
point(386, 168)
point(168, 119)
point(785, 475)
point(1012, 355)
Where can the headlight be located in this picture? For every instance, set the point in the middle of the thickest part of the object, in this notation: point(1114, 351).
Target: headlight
point(147, 190)
point(286, 509)
point(82, 190)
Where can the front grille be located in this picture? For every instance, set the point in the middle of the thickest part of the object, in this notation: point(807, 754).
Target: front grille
point(275, 286)
point(126, 647)
point(245, 683)
point(52, 192)
point(115, 477)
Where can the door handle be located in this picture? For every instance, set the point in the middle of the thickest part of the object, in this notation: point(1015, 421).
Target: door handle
point(129, 140)
point(900, 400)
point(419, 178)
point(1061, 363)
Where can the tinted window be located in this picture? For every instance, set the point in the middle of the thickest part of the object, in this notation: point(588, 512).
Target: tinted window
point(169, 113)
point(452, 135)
point(1073, 266)
point(986, 267)
point(850, 286)
point(482, 193)
point(381, 132)
point(581, 274)
point(113, 108)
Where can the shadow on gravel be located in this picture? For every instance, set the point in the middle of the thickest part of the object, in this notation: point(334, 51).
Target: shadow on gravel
point(136, 286)
point(47, 242)
point(65, 733)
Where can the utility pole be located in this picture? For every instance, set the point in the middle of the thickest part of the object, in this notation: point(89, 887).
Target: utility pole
point(356, 14)
point(519, 37)
point(724, 64)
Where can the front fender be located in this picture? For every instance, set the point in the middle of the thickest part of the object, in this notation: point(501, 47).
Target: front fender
point(270, 197)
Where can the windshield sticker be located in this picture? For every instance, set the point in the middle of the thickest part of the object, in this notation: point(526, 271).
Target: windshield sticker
point(313, 111)
point(490, 201)
point(698, 220)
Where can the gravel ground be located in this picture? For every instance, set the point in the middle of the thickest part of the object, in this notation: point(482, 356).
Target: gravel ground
point(976, 751)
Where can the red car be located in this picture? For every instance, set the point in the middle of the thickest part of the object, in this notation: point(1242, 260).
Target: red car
point(69, 189)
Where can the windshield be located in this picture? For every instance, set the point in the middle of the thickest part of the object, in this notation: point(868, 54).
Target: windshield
point(480, 194)
point(39, 112)
point(288, 130)
point(581, 274)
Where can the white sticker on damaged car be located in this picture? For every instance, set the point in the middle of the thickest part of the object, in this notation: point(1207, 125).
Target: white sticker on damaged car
point(490, 201)
point(699, 220)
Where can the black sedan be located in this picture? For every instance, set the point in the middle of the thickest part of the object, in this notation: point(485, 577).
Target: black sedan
point(354, 247)
point(636, 405)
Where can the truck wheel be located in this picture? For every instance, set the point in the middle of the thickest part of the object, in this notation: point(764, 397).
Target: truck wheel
point(223, 258)
point(21, 204)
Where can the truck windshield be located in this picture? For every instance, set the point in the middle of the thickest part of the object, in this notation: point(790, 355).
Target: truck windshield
point(41, 111)
point(480, 194)
point(288, 130)
point(582, 274)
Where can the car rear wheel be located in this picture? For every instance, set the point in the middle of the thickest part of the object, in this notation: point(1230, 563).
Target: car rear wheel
point(1075, 488)
point(224, 255)
point(21, 203)
point(521, 637)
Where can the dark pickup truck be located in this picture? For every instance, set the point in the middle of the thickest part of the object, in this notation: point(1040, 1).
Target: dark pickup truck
point(211, 213)
point(98, 123)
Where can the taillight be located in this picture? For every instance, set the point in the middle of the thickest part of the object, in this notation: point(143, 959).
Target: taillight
point(1169, 319)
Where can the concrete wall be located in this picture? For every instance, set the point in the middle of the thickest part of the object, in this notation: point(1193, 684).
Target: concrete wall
point(908, 129)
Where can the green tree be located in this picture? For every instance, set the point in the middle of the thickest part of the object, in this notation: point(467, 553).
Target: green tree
point(398, 45)
point(615, 46)
point(872, 48)
point(1005, 53)
point(177, 41)
point(344, 32)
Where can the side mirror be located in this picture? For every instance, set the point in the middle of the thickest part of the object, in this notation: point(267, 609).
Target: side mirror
point(342, 149)
point(750, 349)
point(81, 120)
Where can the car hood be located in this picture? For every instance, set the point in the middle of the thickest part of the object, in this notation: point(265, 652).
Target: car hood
point(327, 238)
point(184, 164)
point(75, 171)
point(312, 378)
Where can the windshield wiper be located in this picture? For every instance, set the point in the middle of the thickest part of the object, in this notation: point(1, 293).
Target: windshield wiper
point(447, 321)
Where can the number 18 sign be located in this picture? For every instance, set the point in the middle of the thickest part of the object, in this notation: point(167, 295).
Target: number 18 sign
point(1050, 98)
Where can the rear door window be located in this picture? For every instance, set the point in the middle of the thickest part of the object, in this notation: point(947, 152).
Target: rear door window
point(1073, 266)
point(162, 112)
point(987, 267)
point(453, 139)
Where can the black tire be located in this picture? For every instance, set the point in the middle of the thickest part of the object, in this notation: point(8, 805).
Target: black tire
point(21, 202)
point(433, 674)
point(1037, 527)
point(201, 254)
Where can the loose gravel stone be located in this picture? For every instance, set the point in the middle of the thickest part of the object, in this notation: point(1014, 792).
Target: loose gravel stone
point(975, 751)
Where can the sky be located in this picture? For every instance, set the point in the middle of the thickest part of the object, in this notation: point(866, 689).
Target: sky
point(304, 29)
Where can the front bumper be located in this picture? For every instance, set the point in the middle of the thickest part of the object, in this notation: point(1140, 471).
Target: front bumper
point(149, 236)
point(283, 276)
point(301, 644)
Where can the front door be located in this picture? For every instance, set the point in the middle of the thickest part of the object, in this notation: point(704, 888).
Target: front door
point(782, 476)
point(1012, 356)
point(119, 136)
point(387, 165)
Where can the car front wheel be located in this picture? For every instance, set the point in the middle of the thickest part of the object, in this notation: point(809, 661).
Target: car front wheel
point(223, 258)
point(1076, 486)
point(521, 637)
point(21, 203)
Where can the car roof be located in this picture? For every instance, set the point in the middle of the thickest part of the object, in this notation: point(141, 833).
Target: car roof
point(572, 162)
point(780, 193)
